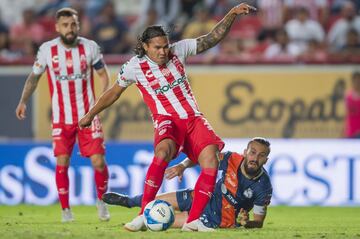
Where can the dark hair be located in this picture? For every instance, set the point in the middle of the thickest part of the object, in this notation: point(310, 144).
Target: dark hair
point(355, 74)
point(149, 33)
point(260, 140)
point(65, 12)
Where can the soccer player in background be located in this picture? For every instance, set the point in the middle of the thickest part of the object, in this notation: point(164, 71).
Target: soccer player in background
point(244, 185)
point(158, 71)
point(352, 106)
point(69, 61)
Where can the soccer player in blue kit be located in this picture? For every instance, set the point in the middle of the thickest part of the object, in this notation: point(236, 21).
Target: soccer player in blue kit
point(244, 185)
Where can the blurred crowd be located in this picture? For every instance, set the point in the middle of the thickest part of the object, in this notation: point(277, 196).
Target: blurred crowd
point(280, 29)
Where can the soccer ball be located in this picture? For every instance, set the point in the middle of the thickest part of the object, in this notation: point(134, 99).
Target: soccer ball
point(158, 215)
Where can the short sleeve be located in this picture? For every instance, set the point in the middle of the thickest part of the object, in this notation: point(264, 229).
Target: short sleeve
point(96, 54)
point(185, 47)
point(40, 61)
point(126, 75)
point(262, 200)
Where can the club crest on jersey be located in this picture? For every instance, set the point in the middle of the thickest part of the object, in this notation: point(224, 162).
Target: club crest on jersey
point(83, 63)
point(165, 72)
point(69, 63)
point(248, 193)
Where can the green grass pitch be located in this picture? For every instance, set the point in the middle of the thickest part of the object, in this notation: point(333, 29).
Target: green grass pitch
point(43, 222)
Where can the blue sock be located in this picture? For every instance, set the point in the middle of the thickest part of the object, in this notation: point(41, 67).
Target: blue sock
point(135, 201)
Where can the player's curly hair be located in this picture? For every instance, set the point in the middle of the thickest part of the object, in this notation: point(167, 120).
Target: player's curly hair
point(149, 33)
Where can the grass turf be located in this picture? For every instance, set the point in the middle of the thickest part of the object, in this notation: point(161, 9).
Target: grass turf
point(43, 222)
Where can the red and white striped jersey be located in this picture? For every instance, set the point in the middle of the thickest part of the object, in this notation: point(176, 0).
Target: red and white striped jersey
point(70, 77)
point(164, 88)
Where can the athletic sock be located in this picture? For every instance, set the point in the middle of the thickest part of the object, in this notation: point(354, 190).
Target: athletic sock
point(101, 181)
point(153, 180)
point(62, 184)
point(202, 192)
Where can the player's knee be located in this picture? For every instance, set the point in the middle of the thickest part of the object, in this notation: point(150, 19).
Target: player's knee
point(211, 161)
point(98, 162)
point(165, 152)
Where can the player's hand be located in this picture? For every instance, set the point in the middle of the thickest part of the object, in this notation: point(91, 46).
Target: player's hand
point(243, 8)
point(21, 111)
point(177, 170)
point(243, 217)
point(85, 121)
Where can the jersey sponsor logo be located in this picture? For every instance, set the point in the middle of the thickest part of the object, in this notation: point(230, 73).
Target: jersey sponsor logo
point(167, 87)
point(70, 77)
point(228, 195)
point(248, 193)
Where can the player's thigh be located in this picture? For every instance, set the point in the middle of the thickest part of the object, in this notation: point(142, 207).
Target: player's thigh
point(91, 139)
point(64, 137)
point(199, 139)
point(170, 198)
point(168, 136)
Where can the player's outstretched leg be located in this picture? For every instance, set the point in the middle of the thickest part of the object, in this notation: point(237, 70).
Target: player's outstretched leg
point(116, 199)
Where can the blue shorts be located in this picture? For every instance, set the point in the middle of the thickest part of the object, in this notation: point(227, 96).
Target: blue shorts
point(209, 217)
point(184, 199)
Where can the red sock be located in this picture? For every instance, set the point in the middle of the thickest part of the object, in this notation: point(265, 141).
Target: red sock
point(62, 184)
point(153, 180)
point(101, 181)
point(202, 192)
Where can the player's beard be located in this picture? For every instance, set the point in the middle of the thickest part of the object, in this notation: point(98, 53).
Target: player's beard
point(251, 171)
point(69, 40)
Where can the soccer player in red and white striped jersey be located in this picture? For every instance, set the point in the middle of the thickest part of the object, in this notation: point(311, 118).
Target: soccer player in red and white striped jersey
point(69, 62)
point(159, 73)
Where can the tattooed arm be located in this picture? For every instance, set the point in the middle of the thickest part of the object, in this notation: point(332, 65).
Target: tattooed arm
point(221, 29)
point(29, 88)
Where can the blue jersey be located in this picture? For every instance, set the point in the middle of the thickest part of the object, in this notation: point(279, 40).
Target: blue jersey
point(234, 191)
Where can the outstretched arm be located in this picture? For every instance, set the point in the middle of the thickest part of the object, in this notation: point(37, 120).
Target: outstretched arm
point(105, 100)
point(245, 221)
point(178, 169)
point(29, 88)
point(222, 28)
